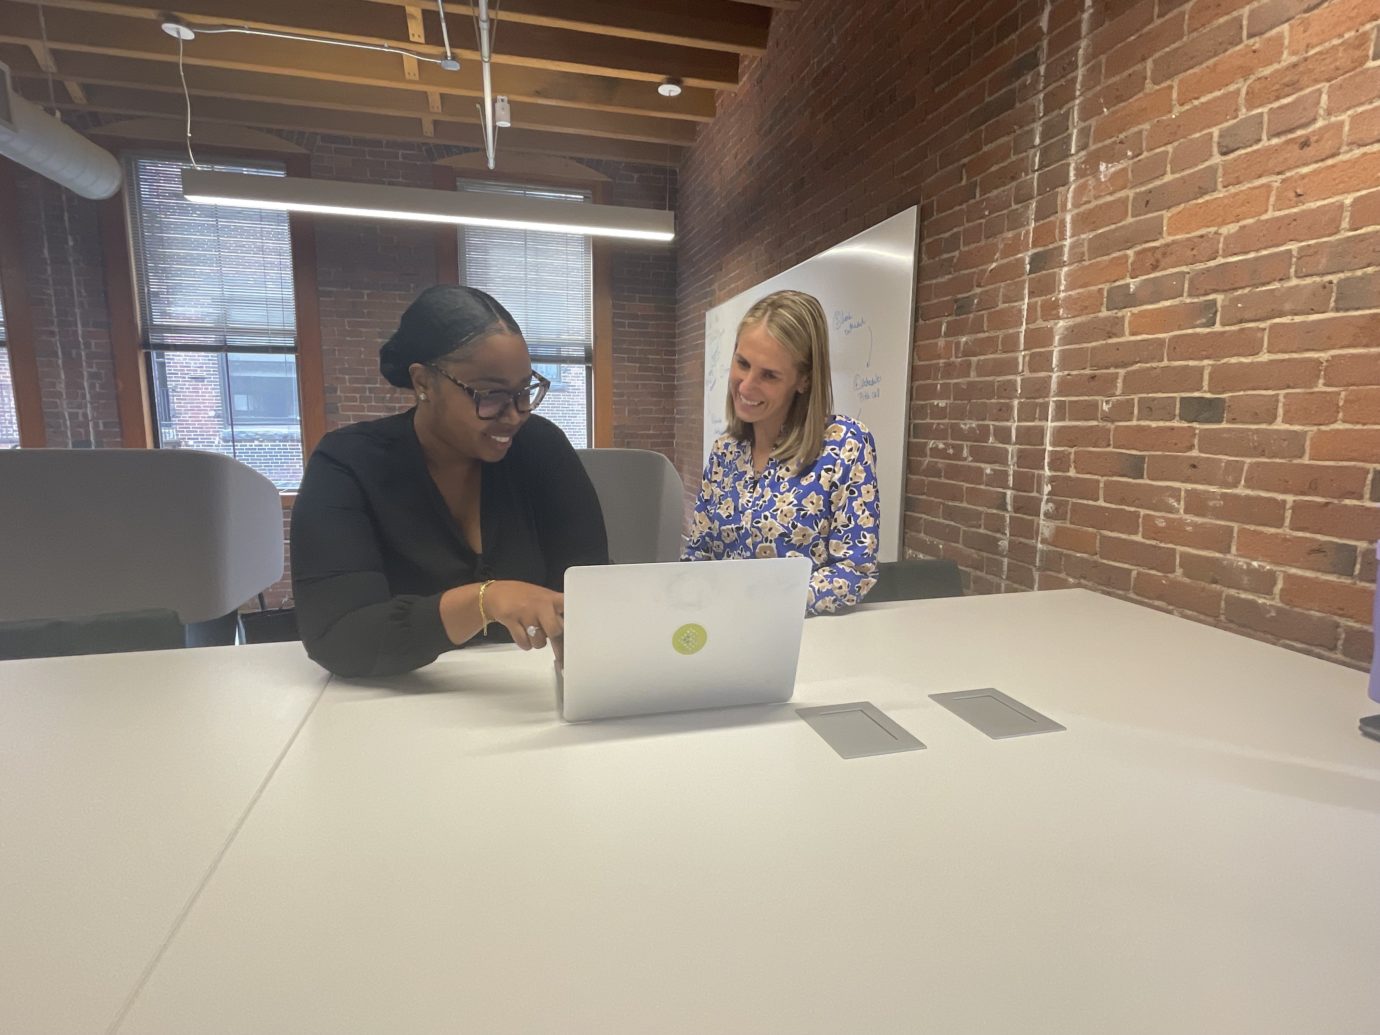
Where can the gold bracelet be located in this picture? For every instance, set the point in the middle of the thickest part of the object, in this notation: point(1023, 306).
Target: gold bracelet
point(483, 618)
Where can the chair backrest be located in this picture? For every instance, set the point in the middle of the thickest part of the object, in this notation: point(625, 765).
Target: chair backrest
point(643, 502)
point(99, 634)
point(915, 579)
point(87, 532)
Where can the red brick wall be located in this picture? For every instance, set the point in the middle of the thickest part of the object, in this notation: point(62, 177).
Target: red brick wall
point(65, 279)
point(1148, 348)
point(644, 317)
point(644, 335)
point(367, 273)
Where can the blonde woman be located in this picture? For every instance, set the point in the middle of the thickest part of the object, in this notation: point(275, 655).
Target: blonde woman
point(790, 477)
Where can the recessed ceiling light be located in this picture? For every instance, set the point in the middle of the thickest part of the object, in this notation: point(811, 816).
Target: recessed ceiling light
point(669, 87)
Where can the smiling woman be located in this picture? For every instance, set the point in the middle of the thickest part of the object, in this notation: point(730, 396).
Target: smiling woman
point(790, 478)
point(416, 533)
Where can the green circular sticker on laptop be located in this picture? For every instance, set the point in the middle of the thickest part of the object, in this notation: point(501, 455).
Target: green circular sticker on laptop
point(689, 639)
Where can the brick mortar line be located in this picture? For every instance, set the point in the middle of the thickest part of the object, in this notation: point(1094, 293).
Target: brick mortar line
point(1060, 323)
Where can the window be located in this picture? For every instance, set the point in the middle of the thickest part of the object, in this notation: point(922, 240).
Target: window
point(219, 321)
point(262, 389)
point(9, 418)
point(546, 280)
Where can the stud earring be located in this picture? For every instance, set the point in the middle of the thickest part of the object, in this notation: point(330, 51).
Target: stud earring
point(421, 396)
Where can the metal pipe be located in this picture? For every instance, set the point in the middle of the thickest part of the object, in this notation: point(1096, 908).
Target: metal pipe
point(244, 30)
point(445, 33)
point(484, 56)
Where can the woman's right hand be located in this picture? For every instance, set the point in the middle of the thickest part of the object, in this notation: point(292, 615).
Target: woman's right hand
point(520, 606)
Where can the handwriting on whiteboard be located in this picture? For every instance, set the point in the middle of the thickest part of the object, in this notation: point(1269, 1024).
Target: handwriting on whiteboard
point(846, 323)
point(867, 386)
point(715, 363)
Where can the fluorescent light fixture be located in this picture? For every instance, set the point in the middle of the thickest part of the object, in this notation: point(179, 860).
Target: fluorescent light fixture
point(422, 205)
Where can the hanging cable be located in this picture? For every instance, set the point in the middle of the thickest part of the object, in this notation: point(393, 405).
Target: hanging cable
point(187, 99)
point(183, 33)
point(48, 62)
point(244, 30)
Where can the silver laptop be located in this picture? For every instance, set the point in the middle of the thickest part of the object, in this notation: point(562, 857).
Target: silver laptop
point(645, 638)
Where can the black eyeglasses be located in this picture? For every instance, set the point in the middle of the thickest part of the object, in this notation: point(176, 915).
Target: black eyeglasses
point(489, 403)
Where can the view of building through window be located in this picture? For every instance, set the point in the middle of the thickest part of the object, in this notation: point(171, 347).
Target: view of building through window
point(242, 404)
point(216, 292)
point(546, 280)
point(567, 404)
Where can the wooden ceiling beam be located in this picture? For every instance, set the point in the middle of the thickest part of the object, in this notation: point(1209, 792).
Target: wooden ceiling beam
point(326, 110)
point(596, 54)
point(418, 29)
point(90, 33)
point(708, 24)
point(456, 134)
point(48, 66)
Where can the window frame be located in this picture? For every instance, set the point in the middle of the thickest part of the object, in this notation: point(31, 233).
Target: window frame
point(448, 177)
point(132, 357)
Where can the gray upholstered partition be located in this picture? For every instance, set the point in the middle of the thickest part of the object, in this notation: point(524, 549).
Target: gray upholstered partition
point(93, 531)
point(643, 502)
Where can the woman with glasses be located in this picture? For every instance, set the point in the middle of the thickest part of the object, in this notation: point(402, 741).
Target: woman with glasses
point(790, 478)
point(457, 519)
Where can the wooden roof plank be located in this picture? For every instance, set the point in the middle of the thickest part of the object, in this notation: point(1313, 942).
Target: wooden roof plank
point(333, 115)
point(362, 21)
point(709, 24)
point(527, 141)
point(90, 33)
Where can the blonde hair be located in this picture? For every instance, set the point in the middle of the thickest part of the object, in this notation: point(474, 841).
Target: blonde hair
point(797, 321)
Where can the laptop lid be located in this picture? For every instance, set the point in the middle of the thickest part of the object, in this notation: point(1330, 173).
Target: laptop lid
point(646, 638)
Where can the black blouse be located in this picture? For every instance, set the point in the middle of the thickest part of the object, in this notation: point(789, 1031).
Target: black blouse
point(374, 545)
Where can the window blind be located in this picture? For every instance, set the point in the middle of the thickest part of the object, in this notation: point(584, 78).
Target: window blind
point(545, 279)
point(212, 278)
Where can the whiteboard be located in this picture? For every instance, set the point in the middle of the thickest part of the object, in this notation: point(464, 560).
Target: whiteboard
point(866, 285)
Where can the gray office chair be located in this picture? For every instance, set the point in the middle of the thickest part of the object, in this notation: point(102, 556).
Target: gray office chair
point(109, 547)
point(643, 502)
point(915, 579)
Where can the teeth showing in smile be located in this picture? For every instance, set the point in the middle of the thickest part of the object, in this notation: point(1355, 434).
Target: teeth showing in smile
point(505, 439)
point(750, 405)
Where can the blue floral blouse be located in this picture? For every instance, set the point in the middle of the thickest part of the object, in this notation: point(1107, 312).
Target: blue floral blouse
point(829, 512)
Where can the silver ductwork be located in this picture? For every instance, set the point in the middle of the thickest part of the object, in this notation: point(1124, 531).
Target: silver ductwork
point(38, 141)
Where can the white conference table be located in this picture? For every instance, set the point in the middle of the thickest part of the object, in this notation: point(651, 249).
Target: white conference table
point(1198, 852)
point(122, 779)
